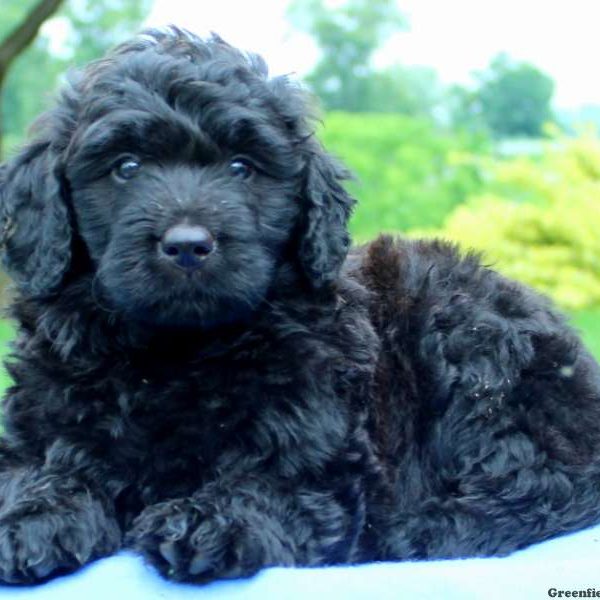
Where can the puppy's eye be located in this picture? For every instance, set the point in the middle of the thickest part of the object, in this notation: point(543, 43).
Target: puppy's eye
point(241, 168)
point(126, 169)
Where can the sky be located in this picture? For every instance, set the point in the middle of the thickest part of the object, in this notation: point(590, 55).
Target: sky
point(454, 37)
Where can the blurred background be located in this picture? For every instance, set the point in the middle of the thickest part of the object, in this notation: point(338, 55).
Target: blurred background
point(474, 121)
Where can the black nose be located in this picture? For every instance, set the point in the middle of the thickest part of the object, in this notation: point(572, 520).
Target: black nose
point(187, 246)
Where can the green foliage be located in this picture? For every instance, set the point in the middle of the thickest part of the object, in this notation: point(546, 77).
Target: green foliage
point(6, 334)
point(538, 220)
point(411, 91)
point(587, 323)
point(344, 78)
point(10, 144)
point(28, 89)
point(92, 27)
point(409, 174)
point(512, 100)
point(96, 26)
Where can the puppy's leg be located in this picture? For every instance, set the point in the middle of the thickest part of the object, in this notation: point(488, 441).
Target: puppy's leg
point(506, 499)
point(51, 521)
point(236, 526)
point(509, 433)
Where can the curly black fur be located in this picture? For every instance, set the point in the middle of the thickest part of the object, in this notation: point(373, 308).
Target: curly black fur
point(285, 404)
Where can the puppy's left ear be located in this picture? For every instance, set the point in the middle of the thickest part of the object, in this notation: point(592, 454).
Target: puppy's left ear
point(35, 229)
point(324, 240)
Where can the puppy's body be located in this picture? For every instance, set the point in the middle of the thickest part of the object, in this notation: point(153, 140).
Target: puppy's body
point(273, 405)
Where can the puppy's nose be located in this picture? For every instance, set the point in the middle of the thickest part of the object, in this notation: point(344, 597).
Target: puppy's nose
point(187, 246)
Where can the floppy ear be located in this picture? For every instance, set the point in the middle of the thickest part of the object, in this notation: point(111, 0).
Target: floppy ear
point(324, 240)
point(35, 230)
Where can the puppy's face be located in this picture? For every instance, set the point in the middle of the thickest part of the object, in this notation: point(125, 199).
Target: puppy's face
point(185, 223)
point(191, 178)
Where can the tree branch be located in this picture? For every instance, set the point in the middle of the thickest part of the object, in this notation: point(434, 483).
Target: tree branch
point(25, 33)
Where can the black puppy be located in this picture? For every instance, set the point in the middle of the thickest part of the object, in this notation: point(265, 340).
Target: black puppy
point(204, 376)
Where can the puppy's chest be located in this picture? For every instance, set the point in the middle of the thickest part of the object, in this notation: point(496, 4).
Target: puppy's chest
point(172, 419)
point(159, 409)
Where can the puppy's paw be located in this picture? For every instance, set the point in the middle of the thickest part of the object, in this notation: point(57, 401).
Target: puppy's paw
point(38, 541)
point(186, 543)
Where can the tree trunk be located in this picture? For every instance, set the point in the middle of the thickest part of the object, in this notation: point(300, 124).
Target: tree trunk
point(20, 38)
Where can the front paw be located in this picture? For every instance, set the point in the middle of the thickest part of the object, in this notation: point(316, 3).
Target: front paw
point(187, 543)
point(39, 540)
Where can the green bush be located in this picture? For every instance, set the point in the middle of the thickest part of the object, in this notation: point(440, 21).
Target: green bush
point(10, 144)
point(538, 220)
point(409, 173)
point(6, 334)
point(587, 322)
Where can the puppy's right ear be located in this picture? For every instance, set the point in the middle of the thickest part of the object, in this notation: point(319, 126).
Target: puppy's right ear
point(35, 229)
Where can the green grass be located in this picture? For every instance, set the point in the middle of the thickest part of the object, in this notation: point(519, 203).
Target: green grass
point(6, 333)
point(588, 324)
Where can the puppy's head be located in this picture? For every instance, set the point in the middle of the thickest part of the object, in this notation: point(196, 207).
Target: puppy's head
point(186, 175)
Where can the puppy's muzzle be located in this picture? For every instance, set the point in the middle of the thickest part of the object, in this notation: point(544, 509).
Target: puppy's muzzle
point(187, 246)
